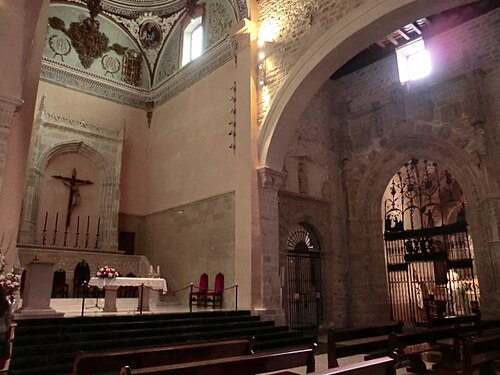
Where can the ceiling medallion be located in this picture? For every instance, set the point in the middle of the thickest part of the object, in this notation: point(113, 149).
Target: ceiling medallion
point(150, 34)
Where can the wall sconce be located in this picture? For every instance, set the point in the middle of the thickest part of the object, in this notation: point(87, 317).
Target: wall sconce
point(268, 31)
point(261, 62)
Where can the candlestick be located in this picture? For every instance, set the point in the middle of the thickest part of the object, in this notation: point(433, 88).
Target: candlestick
point(45, 224)
point(158, 270)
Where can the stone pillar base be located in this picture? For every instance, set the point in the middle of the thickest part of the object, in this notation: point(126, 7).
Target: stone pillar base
point(277, 315)
point(37, 314)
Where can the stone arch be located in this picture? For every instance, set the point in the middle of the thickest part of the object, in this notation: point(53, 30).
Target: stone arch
point(110, 190)
point(365, 202)
point(332, 49)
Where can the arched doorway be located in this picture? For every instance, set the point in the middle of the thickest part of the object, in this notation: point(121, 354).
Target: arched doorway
point(429, 253)
point(304, 277)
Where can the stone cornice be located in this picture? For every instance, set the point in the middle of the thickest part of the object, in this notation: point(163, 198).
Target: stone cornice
point(9, 104)
point(271, 178)
point(92, 84)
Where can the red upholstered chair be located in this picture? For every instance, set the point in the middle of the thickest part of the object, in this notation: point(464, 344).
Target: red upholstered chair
point(200, 296)
point(215, 296)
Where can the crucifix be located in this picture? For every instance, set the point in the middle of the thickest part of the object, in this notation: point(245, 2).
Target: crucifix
point(74, 191)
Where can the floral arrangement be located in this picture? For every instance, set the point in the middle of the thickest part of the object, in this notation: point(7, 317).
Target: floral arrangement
point(107, 272)
point(10, 283)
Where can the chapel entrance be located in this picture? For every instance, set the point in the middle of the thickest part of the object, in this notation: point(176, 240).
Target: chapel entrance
point(305, 307)
point(429, 254)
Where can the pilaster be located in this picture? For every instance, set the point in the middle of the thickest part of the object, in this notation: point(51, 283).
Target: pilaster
point(8, 106)
point(270, 182)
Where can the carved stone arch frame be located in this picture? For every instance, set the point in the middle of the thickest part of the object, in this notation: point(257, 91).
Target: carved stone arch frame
point(367, 200)
point(54, 136)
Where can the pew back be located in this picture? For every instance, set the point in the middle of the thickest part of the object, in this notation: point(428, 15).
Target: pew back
point(241, 365)
point(87, 363)
point(350, 341)
point(480, 351)
point(378, 366)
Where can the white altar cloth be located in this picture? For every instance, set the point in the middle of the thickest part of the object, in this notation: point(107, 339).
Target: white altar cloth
point(111, 286)
point(103, 282)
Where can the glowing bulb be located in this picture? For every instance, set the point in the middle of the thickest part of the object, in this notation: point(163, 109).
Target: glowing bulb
point(268, 30)
point(261, 42)
point(262, 55)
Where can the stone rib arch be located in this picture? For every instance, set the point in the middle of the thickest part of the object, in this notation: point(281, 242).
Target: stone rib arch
point(371, 20)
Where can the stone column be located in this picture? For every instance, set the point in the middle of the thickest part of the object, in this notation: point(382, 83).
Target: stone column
point(270, 182)
point(487, 259)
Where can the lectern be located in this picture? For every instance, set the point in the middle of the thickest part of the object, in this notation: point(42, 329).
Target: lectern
point(36, 295)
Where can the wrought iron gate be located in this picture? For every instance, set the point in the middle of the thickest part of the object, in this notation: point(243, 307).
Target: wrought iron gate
point(428, 250)
point(305, 307)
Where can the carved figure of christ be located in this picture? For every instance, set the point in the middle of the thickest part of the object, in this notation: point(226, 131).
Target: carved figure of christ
point(73, 184)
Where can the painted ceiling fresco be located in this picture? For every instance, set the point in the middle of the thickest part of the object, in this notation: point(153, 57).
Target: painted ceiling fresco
point(136, 42)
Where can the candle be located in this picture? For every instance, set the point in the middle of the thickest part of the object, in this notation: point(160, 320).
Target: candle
point(45, 225)
point(98, 225)
point(88, 223)
point(151, 269)
point(158, 270)
point(77, 224)
point(57, 218)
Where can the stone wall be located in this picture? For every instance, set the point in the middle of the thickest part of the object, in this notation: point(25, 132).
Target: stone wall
point(191, 239)
point(448, 118)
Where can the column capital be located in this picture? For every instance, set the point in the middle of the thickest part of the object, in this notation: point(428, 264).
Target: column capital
point(271, 178)
point(7, 108)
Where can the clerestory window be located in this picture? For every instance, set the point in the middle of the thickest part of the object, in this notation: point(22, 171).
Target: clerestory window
point(192, 44)
point(414, 61)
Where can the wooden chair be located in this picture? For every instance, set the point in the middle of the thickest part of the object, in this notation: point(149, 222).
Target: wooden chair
point(215, 296)
point(59, 285)
point(200, 296)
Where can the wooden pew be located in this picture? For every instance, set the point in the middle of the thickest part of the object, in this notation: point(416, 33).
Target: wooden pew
point(479, 352)
point(409, 347)
point(350, 341)
point(241, 365)
point(377, 366)
point(87, 363)
point(470, 351)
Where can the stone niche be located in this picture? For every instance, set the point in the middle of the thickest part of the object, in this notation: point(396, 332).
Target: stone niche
point(77, 144)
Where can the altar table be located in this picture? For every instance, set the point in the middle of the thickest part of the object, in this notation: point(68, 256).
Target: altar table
point(111, 286)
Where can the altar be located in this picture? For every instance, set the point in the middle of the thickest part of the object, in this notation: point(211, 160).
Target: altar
point(111, 286)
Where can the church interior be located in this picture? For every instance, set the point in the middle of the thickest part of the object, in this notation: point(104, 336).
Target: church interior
point(336, 162)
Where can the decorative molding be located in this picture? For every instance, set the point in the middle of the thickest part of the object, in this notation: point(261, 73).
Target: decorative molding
point(213, 58)
point(77, 79)
point(136, 8)
point(271, 178)
point(93, 84)
point(82, 127)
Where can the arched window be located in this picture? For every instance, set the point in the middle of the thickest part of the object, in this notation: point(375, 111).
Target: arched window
point(192, 42)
